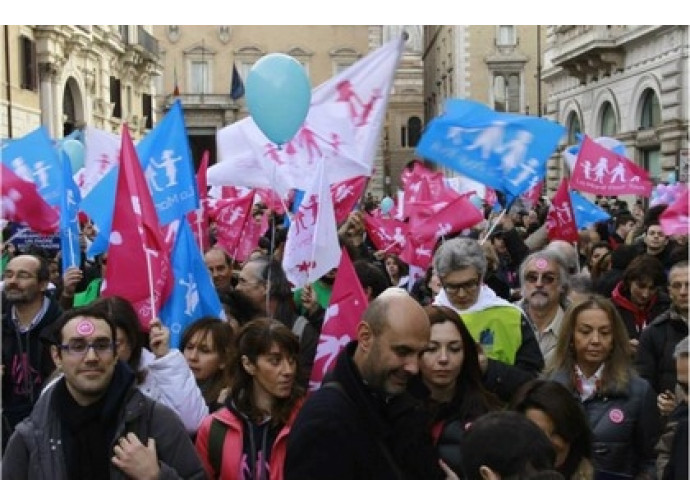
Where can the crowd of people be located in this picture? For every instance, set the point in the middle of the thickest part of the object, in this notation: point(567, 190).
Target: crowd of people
point(511, 357)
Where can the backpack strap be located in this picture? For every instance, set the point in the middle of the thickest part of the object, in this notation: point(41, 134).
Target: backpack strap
point(216, 439)
point(299, 325)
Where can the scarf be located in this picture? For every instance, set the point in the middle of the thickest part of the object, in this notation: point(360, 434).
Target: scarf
point(588, 387)
point(87, 431)
point(639, 314)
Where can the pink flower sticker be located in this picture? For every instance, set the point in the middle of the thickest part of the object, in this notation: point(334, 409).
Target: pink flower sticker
point(86, 328)
point(616, 415)
point(541, 263)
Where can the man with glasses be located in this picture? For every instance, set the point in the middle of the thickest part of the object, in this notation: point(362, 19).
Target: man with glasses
point(544, 283)
point(26, 362)
point(509, 353)
point(654, 360)
point(94, 423)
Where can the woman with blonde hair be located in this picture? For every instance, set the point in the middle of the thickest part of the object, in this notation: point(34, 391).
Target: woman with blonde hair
point(592, 360)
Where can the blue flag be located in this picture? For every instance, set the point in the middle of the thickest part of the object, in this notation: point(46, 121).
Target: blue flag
point(507, 152)
point(194, 295)
point(237, 86)
point(586, 212)
point(69, 220)
point(33, 158)
point(99, 204)
point(168, 167)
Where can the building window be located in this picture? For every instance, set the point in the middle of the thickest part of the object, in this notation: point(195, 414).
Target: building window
point(651, 161)
point(574, 128)
point(147, 110)
point(200, 77)
point(608, 121)
point(651, 111)
point(507, 93)
point(414, 131)
point(506, 35)
point(29, 72)
point(116, 97)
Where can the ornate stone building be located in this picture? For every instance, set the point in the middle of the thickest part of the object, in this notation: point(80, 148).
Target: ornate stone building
point(627, 82)
point(66, 76)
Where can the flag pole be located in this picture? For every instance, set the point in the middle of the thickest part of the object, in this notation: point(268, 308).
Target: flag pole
point(71, 249)
point(150, 276)
point(200, 231)
point(493, 226)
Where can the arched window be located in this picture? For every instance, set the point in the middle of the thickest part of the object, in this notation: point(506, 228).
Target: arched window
point(608, 121)
point(414, 131)
point(574, 128)
point(651, 111)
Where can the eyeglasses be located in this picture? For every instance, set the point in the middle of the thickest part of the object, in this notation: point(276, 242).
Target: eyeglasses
point(468, 287)
point(79, 346)
point(546, 278)
point(20, 275)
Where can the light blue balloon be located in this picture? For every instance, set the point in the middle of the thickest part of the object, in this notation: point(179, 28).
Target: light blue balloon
point(671, 178)
point(75, 152)
point(278, 96)
point(387, 205)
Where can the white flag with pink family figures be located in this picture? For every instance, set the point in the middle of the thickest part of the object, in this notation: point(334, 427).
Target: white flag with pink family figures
point(341, 131)
point(311, 248)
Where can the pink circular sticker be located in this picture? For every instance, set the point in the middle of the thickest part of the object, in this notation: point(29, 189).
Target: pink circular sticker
point(541, 263)
point(86, 328)
point(616, 415)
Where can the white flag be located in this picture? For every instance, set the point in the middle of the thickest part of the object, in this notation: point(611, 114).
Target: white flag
point(311, 248)
point(101, 154)
point(341, 131)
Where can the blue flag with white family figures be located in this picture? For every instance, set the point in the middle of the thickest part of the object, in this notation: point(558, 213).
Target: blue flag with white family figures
point(168, 168)
point(193, 295)
point(33, 158)
point(507, 152)
point(586, 212)
point(69, 220)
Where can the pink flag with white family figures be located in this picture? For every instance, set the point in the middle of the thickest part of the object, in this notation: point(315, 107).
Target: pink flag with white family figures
point(341, 131)
point(560, 220)
point(344, 312)
point(311, 247)
point(388, 235)
point(599, 170)
point(22, 203)
point(231, 216)
point(137, 250)
point(198, 219)
point(345, 196)
point(674, 220)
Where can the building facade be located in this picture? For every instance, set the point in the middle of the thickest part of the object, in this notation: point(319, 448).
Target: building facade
point(66, 76)
point(626, 82)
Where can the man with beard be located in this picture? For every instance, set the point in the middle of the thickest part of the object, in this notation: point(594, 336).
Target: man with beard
point(94, 423)
point(26, 362)
point(362, 424)
point(544, 284)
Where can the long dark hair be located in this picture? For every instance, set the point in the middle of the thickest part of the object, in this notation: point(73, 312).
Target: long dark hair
point(222, 336)
point(568, 417)
point(256, 338)
point(470, 398)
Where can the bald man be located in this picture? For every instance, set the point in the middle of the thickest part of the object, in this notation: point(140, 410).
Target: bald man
point(362, 424)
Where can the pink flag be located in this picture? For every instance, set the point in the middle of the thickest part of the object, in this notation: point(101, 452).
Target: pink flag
point(455, 216)
point(388, 235)
point(599, 170)
point(344, 312)
point(198, 219)
point(674, 220)
point(560, 220)
point(253, 230)
point(22, 203)
point(231, 216)
point(139, 267)
point(341, 131)
point(419, 251)
point(271, 199)
point(533, 194)
point(345, 196)
point(311, 248)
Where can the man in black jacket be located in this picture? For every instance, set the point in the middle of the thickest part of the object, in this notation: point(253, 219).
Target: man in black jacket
point(362, 424)
point(26, 362)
